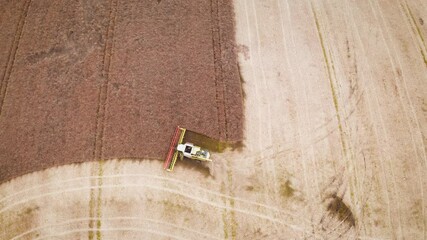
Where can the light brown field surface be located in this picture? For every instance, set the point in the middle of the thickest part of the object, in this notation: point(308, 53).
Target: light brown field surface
point(334, 142)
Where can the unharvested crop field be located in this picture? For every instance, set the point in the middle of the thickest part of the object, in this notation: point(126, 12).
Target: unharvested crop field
point(112, 79)
point(334, 142)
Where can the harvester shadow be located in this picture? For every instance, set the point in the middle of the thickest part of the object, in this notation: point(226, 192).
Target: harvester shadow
point(209, 143)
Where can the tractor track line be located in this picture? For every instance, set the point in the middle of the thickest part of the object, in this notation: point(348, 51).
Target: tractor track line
point(4, 83)
point(100, 121)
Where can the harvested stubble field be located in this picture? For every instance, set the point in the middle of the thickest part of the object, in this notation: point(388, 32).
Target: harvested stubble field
point(334, 134)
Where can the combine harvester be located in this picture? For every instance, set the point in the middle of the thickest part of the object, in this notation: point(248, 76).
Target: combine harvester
point(187, 150)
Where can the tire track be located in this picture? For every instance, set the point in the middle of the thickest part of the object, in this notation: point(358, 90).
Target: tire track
point(335, 89)
point(216, 203)
point(356, 193)
point(231, 202)
point(306, 124)
point(260, 143)
point(269, 168)
point(411, 19)
point(331, 82)
point(408, 117)
point(111, 230)
point(288, 62)
point(224, 84)
point(217, 59)
point(381, 121)
point(353, 172)
point(100, 123)
point(162, 180)
point(251, 156)
point(4, 83)
point(405, 86)
point(119, 218)
point(307, 116)
point(103, 89)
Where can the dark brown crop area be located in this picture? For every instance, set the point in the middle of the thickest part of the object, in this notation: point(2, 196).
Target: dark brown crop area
point(90, 80)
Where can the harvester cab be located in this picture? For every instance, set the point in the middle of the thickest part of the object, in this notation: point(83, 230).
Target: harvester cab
point(188, 150)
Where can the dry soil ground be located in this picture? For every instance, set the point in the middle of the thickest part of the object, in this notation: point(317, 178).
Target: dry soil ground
point(335, 135)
